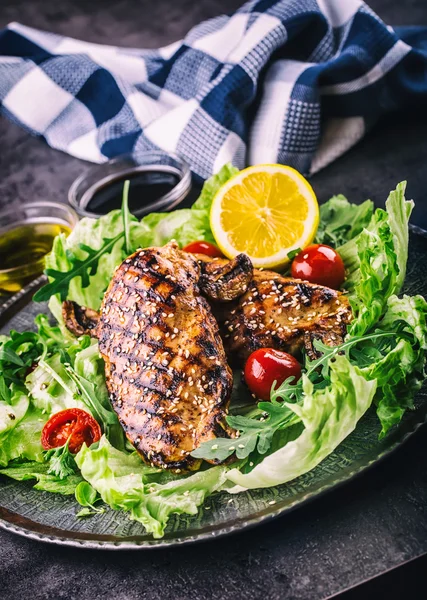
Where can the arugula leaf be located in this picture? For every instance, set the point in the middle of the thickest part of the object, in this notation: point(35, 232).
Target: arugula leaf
point(329, 415)
point(126, 217)
point(80, 267)
point(106, 417)
point(18, 353)
point(61, 462)
point(255, 434)
point(293, 253)
point(83, 268)
point(9, 355)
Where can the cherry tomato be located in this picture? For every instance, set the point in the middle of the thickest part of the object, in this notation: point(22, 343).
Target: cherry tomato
point(266, 366)
point(73, 423)
point(204, 248)
point(319, 264)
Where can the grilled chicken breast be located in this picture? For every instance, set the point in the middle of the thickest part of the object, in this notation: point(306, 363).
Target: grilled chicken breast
point(165, 364)
point(285, 314)
point(278, 312)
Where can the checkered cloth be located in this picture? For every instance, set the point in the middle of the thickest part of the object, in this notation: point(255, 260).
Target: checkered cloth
point(290, 81)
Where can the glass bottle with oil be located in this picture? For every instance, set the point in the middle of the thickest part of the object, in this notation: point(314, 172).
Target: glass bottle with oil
point(26, 236)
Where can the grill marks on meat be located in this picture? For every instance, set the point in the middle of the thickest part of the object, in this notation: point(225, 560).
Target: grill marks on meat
point(165, 364)
point(283, 313)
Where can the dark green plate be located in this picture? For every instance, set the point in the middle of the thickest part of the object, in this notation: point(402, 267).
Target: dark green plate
point(51, 518)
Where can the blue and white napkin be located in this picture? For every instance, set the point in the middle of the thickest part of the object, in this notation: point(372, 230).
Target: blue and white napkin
point(290, 81)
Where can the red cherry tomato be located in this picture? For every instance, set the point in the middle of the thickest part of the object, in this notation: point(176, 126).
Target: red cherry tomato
point(204, 248)
point(73, 423)
point(267, 365)
point(319, 264)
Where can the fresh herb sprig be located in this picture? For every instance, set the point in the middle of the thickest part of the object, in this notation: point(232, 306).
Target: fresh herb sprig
point(61, 461)
point(85, 268)
point(126, 217)
point(255, 434)
point(106, 417)
point(81, 267)
point(87, 392)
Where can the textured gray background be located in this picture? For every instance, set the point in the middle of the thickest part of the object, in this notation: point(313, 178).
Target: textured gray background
point(360, 530)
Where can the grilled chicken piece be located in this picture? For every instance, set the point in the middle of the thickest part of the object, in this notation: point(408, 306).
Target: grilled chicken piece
point(225, 280)
point(283, 313)
point(165, 364)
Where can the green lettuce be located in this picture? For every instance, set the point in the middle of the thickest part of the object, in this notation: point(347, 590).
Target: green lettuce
point(125, 483)
point(376, 261)
point(400, 371)
point(46, 482)
point(12, 412)
point(23, 441)
point(51, 388)
point(197, 227)
point(341, 221)
point(329, 415)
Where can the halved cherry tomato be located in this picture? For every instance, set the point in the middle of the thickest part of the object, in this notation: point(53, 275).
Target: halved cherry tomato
point(319, 264)
point(73, 423)
point(267, 365)
point(204, 248)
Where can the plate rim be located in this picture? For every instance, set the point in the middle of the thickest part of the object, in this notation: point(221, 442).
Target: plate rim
point(240, 524)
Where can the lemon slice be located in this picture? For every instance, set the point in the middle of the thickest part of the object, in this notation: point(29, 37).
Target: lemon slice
point(265, 211)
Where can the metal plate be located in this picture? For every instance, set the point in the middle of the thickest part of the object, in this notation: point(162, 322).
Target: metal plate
point(51, 517)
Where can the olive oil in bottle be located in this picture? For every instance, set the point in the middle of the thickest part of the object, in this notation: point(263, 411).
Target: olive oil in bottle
point(22, 251)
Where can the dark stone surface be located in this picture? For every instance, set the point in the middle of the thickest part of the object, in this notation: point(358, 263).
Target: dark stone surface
point(370, 525)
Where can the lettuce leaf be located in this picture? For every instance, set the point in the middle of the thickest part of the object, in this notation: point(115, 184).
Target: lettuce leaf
point(30, 470)
point(197, 227)
point(51, 388)
point(124, 483)
point(329, 415)
point(23, 441)
point(12, 412)
point(400, 372)
point(376, 261)
point(341, 221)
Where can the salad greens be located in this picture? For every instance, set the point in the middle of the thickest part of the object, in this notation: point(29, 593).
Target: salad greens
point(329, 415)
point(81, 265)
point(125, 483)
point(341, 221)
point(381, 363)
